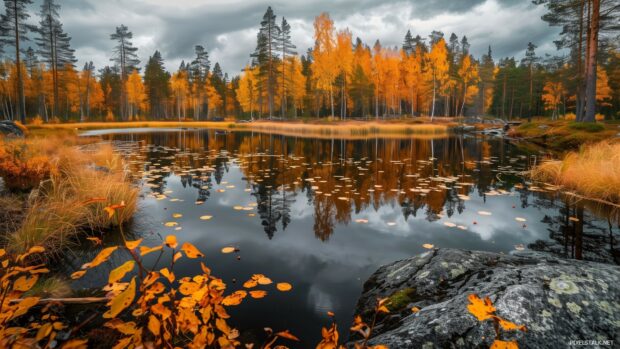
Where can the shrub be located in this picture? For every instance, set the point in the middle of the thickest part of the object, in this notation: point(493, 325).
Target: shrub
point(22, 166)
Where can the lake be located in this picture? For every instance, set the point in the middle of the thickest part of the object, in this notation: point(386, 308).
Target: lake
point(323, 214)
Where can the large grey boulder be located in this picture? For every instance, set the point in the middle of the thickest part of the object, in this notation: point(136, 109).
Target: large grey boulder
point(9, 128)
point(559, 300)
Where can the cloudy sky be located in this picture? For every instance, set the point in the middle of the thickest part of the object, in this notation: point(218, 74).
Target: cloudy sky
point(228, 27)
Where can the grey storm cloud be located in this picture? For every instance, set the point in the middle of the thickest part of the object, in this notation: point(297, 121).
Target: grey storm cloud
point(228, 28)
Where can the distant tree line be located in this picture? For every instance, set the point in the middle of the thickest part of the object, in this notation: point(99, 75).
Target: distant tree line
point(339, 76)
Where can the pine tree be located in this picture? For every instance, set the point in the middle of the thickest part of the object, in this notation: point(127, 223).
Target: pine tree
point(408, 43)
point(530, 60)
point(13, 30)
point(156, 83)
point(287, 49)
point(54, 45)
point(266, 56)
point(199, 71)
point(126, 59)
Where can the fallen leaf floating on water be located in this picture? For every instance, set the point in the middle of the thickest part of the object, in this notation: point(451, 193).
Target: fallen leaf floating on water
point(484, 213)
point(228, 249)
point(205, 218)
point(191, 251)
point(519, 247)
point(238, 208)
point(177, 215)
point(449, 224)
point(573, 219)
point(120, 272)
point(171, 224)
point(258, 294)
point(428, 246)
point(391, 224)
point(361, 221)
point(520, 219)
point(133, 244)
point(284, 286)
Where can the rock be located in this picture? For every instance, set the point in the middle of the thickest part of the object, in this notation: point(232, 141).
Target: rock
point(10, 128)
point(559, 300)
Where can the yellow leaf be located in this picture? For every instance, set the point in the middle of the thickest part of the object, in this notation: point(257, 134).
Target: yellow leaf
point(146, 250)
point(383, 309)
point(222, 325)
point(44, 331)
point(171, 224)
point(177, 215)
point(120, 272)
point(24, 283)
point(428, 246)
point(205, 218)
point(497, 344)
point(133, 244)
point(103, 256)
point(235, 298)
point(188, 288)
point(122, 300)
point(167, 274)
point(109, 210)
point(177, 256)
point(284, 286)
point(78, 274)
point(191, 251)
point(481, 309)
point(228, 249)
point(171, 241)
point(258, 294)
point(123, 343)
point(154, 325)
point(250, 283)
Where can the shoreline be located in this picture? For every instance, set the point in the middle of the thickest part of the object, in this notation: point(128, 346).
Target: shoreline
point(341, 129)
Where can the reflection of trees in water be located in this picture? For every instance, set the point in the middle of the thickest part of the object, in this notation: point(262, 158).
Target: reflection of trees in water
point(340, 178)
point(573, 233)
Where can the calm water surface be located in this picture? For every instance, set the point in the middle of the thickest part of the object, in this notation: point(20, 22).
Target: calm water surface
point(324, 214)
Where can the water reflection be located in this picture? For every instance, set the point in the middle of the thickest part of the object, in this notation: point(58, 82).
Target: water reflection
point(323, 214)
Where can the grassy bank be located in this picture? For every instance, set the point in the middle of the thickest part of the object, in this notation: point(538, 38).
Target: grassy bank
point(562, 135)
point(62, 190)
point(291, 128)
point(592, 172)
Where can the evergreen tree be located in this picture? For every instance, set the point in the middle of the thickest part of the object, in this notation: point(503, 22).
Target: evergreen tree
point(110, 80)
point(126, 59)
point(266, 56)
point(199, 71)
point(156, 80)
point(408, 43)
point(54, 45)
point(530, 60)
point(287, 49)
point(13, 30)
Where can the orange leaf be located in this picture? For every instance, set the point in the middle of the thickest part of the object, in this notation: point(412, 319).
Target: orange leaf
point(122, 300)
point(171, 241)
point(191, 251)
point(78, 274)
point(167, 274)
point(284, 286)
point(258, 294)
point(24, 283)
point(146, 250)
point(288, 335)
point(510, 326)
point(235, 298)
point(497, 344)
point(228, 249)
point(154, 325)
point(75, 344)
point(481, 309)
point(133, 244)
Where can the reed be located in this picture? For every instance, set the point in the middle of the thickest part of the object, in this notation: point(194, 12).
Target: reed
point(593, 171)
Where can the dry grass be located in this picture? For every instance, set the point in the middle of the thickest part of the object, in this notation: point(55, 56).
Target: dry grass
point(355, 129)
point(58, 209)
point(593, 172)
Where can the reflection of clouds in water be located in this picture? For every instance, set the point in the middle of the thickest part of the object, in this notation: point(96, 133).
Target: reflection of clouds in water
point(300, 208)
point(320, 301)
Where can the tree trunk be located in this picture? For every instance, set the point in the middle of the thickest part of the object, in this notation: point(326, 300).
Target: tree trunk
point(591, 65)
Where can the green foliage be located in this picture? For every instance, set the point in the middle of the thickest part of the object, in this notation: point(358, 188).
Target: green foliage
point(586, 126)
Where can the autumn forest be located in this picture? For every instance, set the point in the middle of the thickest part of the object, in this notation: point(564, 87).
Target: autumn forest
point(341, 76)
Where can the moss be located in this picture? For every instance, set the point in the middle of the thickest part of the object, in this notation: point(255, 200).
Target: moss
point(400, 299)
point(586, 126)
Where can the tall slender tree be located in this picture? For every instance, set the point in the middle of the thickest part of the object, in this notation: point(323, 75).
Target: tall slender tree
point(199, 72)
point(126, 59)
point(13, 30)
point(530, 60)
point(54, 45)
point(266, 56)
point(287, 49)
point(156, 83)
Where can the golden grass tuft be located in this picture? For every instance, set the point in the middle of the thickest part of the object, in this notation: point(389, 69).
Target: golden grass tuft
point(63, 205)
point(593, 171)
